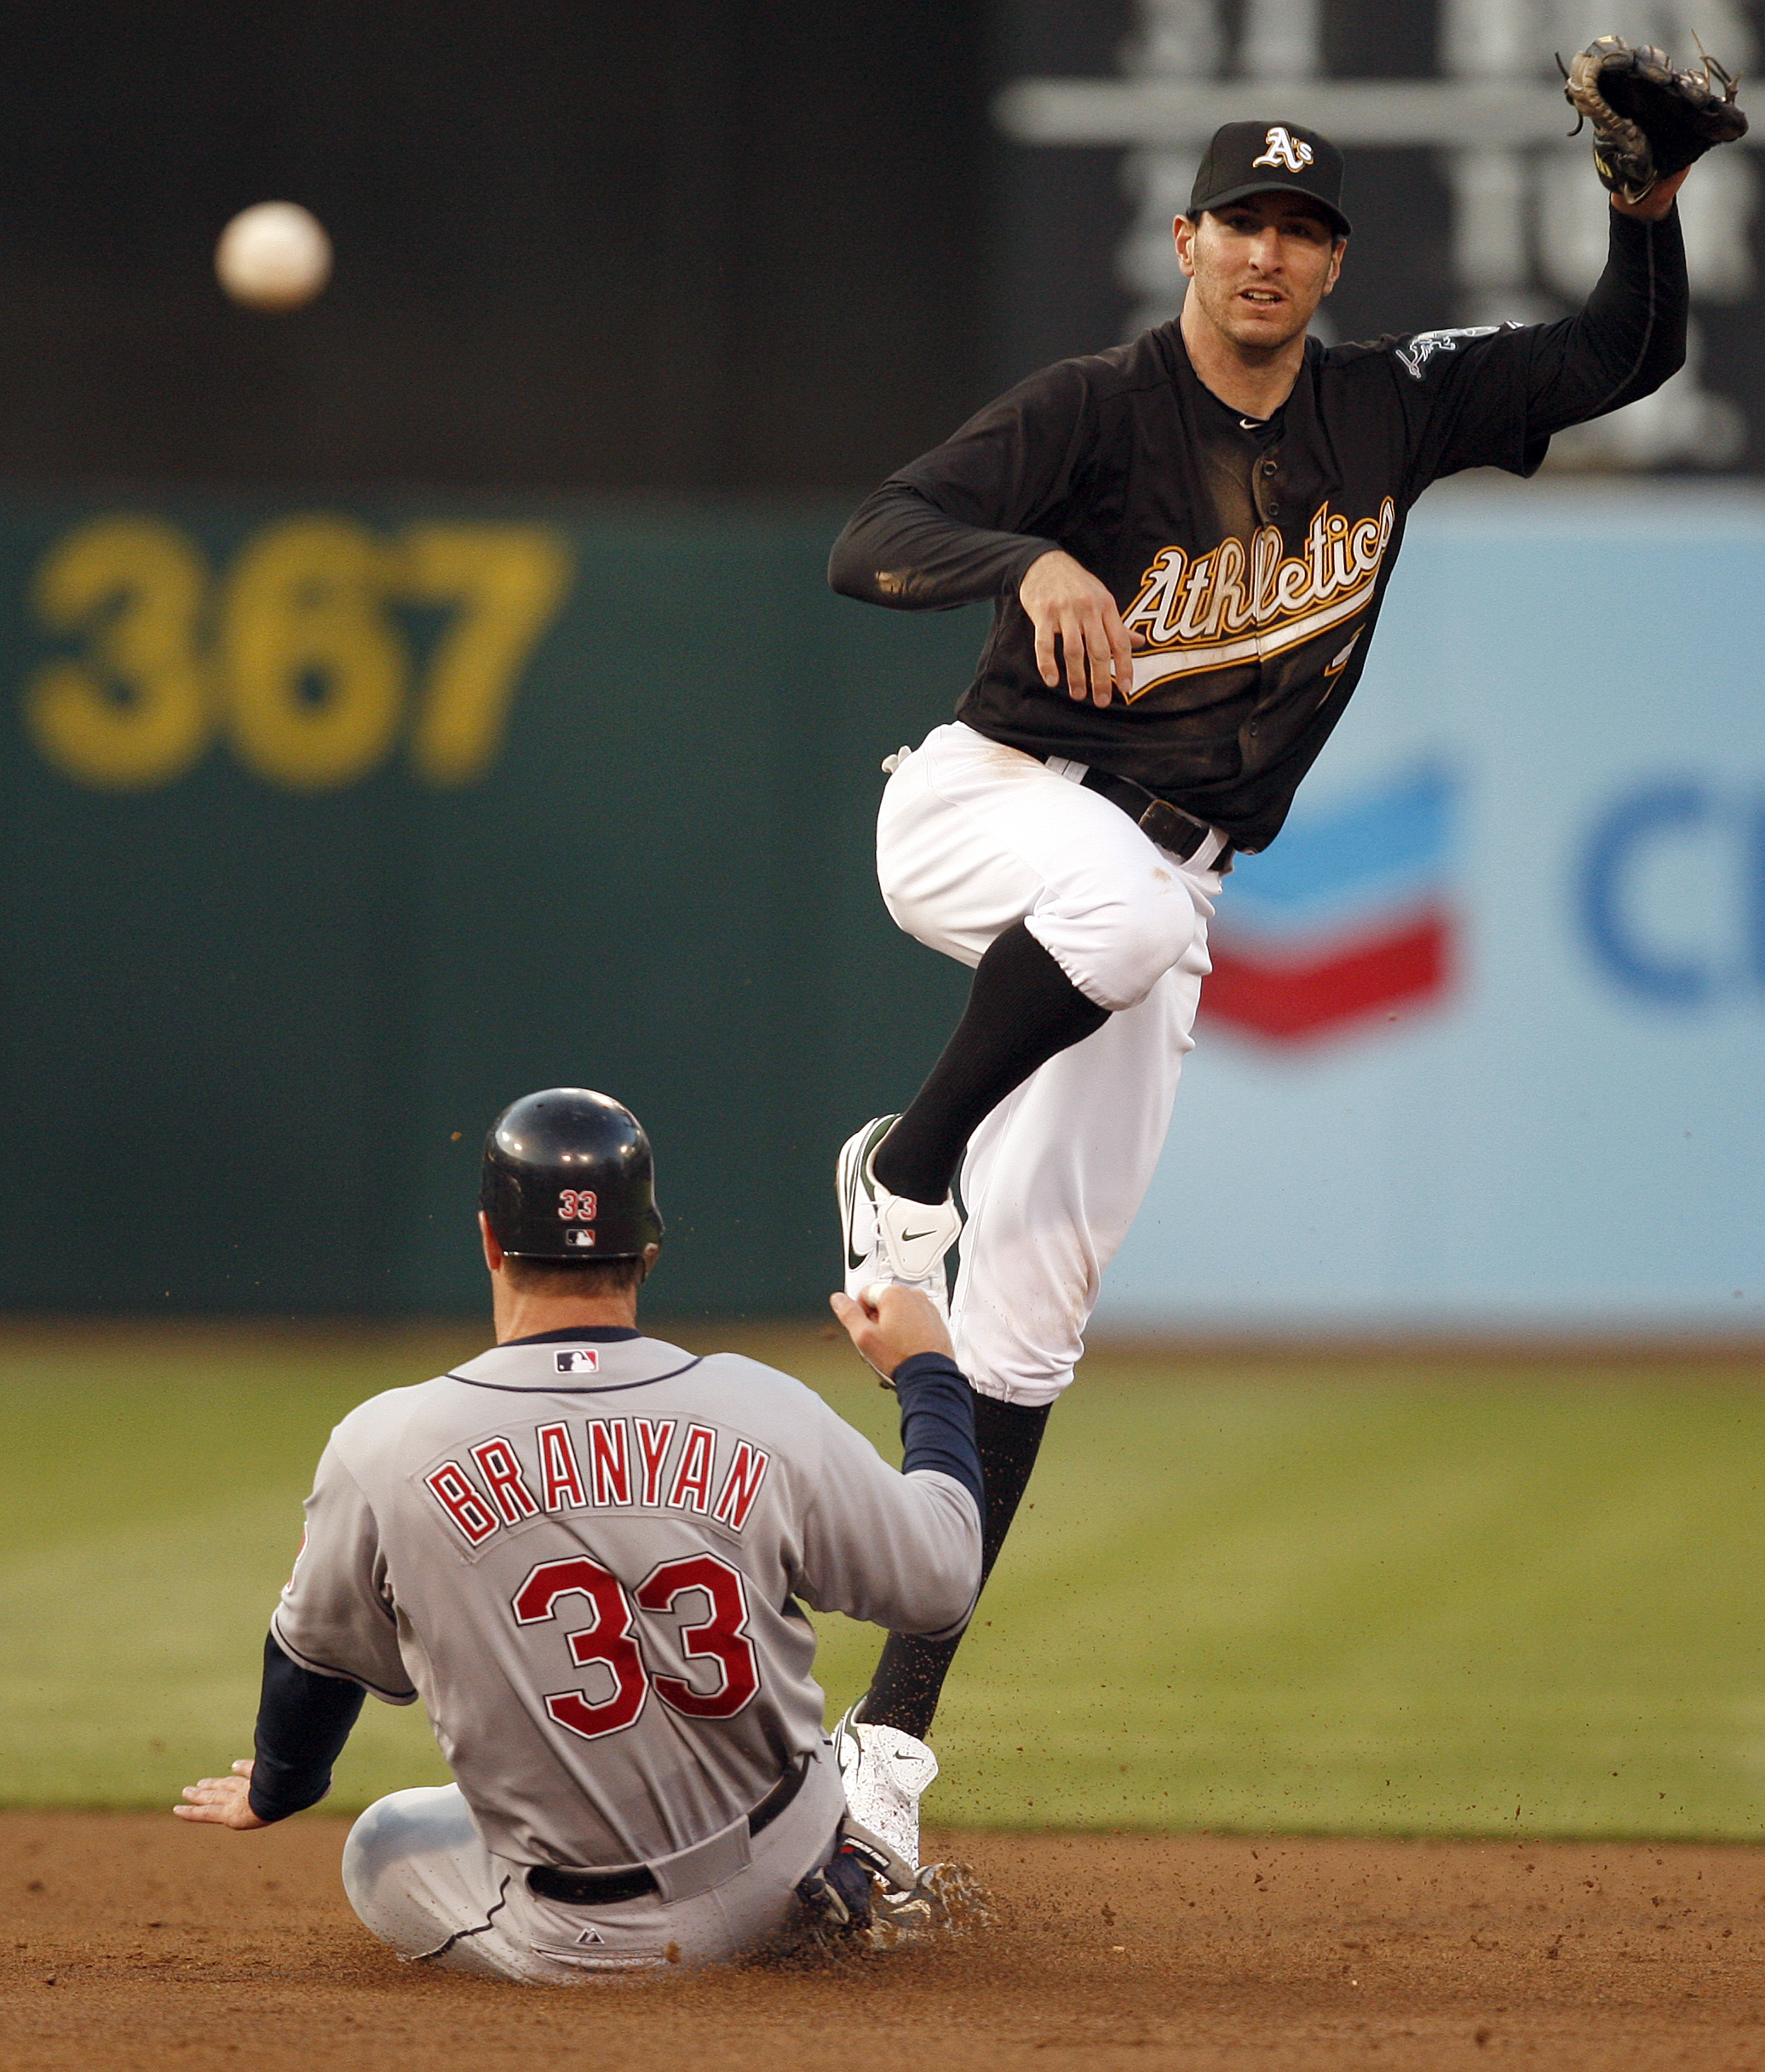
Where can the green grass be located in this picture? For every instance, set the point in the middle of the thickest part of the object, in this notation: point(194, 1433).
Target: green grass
point(1476, 1598)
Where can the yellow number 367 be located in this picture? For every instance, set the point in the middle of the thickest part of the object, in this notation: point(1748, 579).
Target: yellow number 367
point(295, 652)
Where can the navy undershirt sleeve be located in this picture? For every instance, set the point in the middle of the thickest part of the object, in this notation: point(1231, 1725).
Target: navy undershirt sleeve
point(303, 1720)
point(938, 1423)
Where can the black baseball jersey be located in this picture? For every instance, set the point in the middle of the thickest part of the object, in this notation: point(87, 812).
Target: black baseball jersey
point(1252, 558)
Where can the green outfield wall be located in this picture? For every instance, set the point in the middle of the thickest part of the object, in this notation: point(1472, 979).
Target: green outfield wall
point(330, 827)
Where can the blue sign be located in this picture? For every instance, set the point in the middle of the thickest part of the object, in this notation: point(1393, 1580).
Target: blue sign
point(1654, 831)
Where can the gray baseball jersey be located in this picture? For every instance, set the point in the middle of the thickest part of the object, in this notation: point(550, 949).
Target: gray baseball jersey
point(583, 1556)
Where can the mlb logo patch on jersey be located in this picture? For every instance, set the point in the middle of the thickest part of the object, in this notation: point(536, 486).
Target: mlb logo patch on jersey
point(579, 1237)
point(579, 1360)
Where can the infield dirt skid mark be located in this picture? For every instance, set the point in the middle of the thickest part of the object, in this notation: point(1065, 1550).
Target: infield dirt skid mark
point(170, 1946)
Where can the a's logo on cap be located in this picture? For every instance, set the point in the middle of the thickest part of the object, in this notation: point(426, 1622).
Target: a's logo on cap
point(1282, 150)
point(579, 1360)
point(582, 1239)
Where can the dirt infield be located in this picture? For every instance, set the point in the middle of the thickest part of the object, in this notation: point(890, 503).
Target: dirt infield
point(130, 1943)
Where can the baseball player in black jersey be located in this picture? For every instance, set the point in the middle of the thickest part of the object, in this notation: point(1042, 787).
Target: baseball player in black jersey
point(1186, 541)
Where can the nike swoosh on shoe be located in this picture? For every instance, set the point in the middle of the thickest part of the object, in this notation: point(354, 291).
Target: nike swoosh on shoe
point(854, 1259)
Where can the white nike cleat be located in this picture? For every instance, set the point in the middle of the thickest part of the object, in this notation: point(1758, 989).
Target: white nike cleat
point(884, 1772)
point(887, 1236)
point(858, 1203)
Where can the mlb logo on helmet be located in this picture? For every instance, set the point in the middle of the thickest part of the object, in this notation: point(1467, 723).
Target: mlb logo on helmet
point(577, 1236)
point(1342, 919)
point(579, 1360)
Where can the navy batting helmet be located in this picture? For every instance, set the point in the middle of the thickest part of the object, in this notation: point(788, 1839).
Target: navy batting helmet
point(568, 1175)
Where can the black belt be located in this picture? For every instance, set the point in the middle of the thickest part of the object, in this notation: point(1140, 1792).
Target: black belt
point(1156, 818)
point(602, 1888)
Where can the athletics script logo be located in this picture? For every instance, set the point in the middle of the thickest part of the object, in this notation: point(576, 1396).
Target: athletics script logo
point(1241, 604)
point(1280, 149)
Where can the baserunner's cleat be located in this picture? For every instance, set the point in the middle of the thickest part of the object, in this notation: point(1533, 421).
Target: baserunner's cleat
point(884, 1772)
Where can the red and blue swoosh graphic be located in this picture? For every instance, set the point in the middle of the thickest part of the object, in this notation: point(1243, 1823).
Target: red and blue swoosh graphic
point(1346, 916)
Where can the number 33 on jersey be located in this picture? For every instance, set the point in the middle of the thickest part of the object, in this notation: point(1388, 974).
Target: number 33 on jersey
point(604, 1545)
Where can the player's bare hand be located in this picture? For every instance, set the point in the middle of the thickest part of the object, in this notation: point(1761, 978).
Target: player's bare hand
point(221, 1801)
point(1076, 624)
point(1655, 205)
point(891, 1323)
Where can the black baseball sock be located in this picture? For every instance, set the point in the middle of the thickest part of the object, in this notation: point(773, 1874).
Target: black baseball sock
point(1022, 1011)
point(904, 1692)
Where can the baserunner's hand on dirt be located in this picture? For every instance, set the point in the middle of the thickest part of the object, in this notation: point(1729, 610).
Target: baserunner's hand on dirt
point(1073, 611)
point(890, 1323)
point(221, 1801)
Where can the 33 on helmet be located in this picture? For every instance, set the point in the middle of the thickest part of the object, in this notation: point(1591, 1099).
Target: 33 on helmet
point(569, 1175)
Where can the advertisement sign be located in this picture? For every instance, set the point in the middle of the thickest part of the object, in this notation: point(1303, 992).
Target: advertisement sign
point(1483, 1048)
point(327, 831)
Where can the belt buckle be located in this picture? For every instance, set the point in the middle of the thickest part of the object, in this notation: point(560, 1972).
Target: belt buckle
point(1173, 829)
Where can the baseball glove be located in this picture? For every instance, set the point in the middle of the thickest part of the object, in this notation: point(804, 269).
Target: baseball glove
point(1649, 121)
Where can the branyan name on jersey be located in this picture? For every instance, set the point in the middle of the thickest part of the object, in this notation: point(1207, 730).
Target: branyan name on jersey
point(1237, 604)
point(619, 1463)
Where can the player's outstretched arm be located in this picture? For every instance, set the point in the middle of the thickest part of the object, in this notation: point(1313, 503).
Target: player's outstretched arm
point(901, 1550)
point(891, 1324)
point(221, 1801)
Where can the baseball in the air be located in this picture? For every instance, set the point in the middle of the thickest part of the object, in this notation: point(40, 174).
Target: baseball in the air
point(275, 256)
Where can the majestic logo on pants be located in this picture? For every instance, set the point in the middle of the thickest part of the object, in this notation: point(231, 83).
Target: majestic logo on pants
point(1293, 153)
point(1243, 604)
point(1342, 921)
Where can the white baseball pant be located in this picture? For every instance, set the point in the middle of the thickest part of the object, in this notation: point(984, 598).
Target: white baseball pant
point(418, 1875)
point(973, 836)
